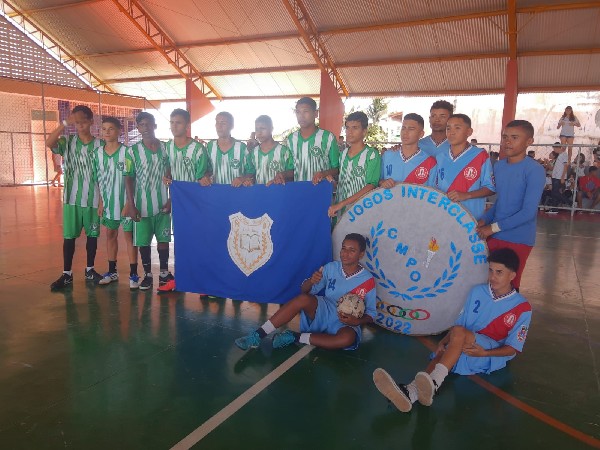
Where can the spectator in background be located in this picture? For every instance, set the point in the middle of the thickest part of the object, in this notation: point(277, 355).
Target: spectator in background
point(494, 157)
point(531, 154)
point(559, 176)
point(588, 195)
point(474, 142)
point(57, 163)
point(579, 166)
point(567, 124)
point(342, 143)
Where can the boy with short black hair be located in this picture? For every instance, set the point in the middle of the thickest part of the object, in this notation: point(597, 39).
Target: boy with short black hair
point(489, 332)
point(315, 151)
point(80, 196)
point(108, 167)
point(464, 171)
point(226, 155)
point(408, 164)
point(147, 199)
point(436, 142)
point(511, 221)
point(360, 165)
point(186, 161)
point(270, 162)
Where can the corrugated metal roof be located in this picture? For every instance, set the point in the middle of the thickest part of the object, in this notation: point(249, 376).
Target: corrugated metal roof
point(467, 53)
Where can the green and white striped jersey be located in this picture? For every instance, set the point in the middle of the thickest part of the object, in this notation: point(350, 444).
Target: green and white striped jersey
point(148, 168)
point(188, 163)
point(226, 166)
point(108, 173)
point(358, 171)
point(317, 153)
point(265, 166)
point(80, 187)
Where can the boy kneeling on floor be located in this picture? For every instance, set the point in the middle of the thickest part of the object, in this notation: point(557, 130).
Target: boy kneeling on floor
point(489, 332)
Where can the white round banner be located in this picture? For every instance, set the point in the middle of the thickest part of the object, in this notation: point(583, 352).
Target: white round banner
point(423, 251)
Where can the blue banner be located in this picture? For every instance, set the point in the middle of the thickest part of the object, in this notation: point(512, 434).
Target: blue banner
point(250, 243)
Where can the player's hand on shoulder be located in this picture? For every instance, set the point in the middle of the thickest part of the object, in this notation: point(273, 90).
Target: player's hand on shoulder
point(388, 183)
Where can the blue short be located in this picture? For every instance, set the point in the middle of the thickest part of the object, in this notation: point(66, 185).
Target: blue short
point(469, 365)
point(326, 321)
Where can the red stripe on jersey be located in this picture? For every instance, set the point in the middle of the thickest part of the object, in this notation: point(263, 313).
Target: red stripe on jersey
point(470, 174)
point(421, 173)
point(362, 289)
point(499, 328)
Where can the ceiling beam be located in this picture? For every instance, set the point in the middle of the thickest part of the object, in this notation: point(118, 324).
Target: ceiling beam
point(558, 7)
point(30, 12)
point(314, 42)
point(371, 63)
point(163, 44)
point(41, 38)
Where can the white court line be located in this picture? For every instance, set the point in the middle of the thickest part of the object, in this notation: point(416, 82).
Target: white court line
point(199, 433)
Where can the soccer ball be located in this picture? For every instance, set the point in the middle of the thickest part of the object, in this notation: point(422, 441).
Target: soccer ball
point(351, 305)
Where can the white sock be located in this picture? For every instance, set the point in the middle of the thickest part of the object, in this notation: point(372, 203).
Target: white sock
point(268, 327)
point(89, 268)
point(439, 373)
point(305, 338)
point(413, 394)
point(68, 272)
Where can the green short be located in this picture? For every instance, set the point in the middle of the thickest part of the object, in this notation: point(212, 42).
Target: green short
point(159, 226)
point(112, 224)
point(75, 218)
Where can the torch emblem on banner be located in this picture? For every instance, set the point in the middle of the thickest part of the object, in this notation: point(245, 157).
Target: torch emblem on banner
point(431, 251)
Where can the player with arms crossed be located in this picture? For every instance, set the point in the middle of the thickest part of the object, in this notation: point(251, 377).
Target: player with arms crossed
point(489, 332)
point(270, 162)
point(226, 156)
point(360, 165)
point(320, 323)
point(109, 165)
point(464, 171)
point(147, 199)
point(315, 151)
point(186, 161)
point(80, 196)
point(408, 164)
point(511, 221)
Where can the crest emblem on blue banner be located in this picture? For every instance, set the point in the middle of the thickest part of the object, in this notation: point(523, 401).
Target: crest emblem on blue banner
point(249, 243)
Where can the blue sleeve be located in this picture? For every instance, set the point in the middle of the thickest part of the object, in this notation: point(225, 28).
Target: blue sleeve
point(371, 303)
point(518, 334)
point(536, 179)
point(321, 284)
point(487, 176)
point(489, 214)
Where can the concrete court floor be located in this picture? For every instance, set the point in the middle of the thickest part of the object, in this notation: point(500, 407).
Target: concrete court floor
point(106, 367)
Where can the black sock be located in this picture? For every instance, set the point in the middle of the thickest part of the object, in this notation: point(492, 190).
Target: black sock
point(261, 333)
point(163, 258)
point(91, 246)
point(296, 337)
point(146, 259)
point(112, 266)
point(132, 269)
point(68, 252)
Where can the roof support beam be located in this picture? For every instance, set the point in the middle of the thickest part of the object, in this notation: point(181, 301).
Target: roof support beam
point(314, 43)
point(30, 12)
point(51, 46)
point(163, 44)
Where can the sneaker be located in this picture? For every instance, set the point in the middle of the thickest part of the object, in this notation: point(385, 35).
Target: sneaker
point(164, 280)
point(169, 286)
point(64, 281)
point(92, 275)
point(284, 339)
point(552, 211)
point(250, 341)
point(396, 393)
point(426, 387)
point(146, 282)
point(134, 282)
point(109, 277)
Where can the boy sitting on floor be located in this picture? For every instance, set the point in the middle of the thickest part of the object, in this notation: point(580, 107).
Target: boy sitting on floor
point(489, 332)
